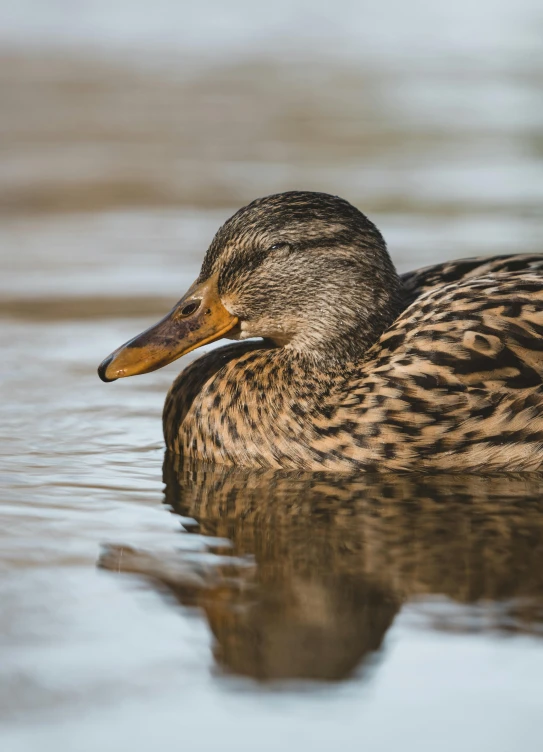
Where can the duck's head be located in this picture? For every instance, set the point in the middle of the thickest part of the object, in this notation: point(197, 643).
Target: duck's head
point(307, 271)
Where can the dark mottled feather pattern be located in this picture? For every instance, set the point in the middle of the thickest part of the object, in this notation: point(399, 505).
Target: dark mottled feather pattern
point(452, 381)
point(444, 388)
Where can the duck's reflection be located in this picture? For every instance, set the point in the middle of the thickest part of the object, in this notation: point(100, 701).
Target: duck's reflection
point(334, 558)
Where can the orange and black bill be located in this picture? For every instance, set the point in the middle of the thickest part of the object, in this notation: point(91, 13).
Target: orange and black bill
point(197, 319)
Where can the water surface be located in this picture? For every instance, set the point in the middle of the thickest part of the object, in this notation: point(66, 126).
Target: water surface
point(149, 603)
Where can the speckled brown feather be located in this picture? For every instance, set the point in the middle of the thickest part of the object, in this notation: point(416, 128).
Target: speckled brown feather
point(454, 383)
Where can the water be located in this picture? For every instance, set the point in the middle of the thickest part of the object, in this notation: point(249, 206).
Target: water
point(146, 603)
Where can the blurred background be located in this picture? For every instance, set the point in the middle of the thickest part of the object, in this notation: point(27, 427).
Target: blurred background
point(129, 131)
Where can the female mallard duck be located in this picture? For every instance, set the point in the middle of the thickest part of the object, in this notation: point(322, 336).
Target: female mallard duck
point(440, 369)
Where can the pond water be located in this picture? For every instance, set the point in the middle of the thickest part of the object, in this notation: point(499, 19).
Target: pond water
point(146, 602)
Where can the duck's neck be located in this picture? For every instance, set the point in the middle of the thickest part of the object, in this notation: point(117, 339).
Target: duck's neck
point(341, 331)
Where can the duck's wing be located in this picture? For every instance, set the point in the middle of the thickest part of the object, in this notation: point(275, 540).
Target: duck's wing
point(457, 381)
point(417, 282)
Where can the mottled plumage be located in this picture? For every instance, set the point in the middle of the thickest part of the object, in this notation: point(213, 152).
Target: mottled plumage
point(438, 370)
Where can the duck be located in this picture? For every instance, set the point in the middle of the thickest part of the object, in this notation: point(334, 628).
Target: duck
point(341, 364)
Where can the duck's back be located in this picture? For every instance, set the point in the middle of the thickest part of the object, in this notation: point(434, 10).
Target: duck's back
point(456, 383)
point(419, 281)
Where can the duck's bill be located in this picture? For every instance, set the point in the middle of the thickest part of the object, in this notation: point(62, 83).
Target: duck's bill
point(198, 318)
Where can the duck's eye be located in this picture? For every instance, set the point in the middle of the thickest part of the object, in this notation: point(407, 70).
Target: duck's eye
point(190, 308)
point(278, 245)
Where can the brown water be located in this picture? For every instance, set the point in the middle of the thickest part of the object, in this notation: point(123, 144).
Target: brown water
point(275, 610)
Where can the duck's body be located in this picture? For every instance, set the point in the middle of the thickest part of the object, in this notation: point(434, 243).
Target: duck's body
point(445, 370)
point(454, 384)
